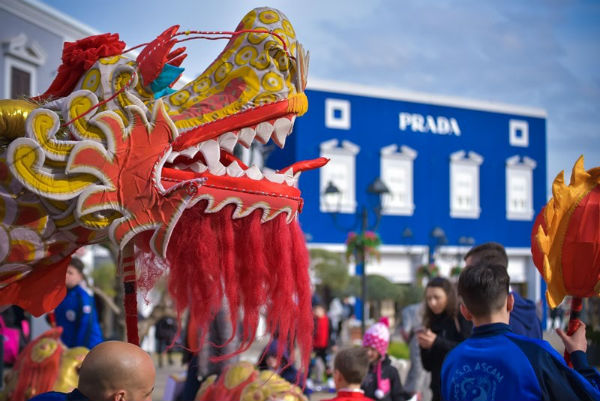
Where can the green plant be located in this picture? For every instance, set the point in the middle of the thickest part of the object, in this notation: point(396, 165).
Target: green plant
point(431, 270)
point(455, 271)
point(367, 242)
point(331, 270)
point(379, 288)
point(104, 277)
point(399, 350)
point(410, 294)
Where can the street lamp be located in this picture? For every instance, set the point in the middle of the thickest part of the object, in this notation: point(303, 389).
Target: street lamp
point(378, 188)
point(439, 236)
point(465, 242)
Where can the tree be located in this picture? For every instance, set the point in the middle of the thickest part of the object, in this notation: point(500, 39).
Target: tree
point(331, 271)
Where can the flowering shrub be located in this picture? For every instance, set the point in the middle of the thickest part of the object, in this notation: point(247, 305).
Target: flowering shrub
point(455, 271)
point(367, 242)
point(431, 270)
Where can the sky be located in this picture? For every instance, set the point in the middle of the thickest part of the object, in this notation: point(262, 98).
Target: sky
point(535, 53)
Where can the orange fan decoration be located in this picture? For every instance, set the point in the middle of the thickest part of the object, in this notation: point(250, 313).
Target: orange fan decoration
point(565, 240)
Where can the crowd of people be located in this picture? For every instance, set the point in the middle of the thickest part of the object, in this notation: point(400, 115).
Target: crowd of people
point(474, 339)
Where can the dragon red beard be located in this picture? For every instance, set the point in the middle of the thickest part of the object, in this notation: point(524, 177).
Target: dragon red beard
point(258, 267)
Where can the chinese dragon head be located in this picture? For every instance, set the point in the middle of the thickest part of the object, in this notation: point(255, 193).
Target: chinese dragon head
point(112, 152)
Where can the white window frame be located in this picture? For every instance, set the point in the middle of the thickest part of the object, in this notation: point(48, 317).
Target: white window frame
point(523, 170)
point(462, 164)
point(340, 159)
point(515, 126)
point(24, 55)
point(341, 105)
point(9, 63)
point(392, 160)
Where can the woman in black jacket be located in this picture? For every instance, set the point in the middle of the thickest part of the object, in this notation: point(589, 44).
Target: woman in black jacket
point(444, 328)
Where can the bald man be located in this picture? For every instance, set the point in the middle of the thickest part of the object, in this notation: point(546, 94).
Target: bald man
point(112, 371)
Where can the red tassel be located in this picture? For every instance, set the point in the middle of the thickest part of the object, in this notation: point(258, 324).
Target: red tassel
point(230, 276)
point(257, 266)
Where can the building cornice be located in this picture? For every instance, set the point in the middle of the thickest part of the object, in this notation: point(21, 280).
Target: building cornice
point(418, 97)
point(48, 18)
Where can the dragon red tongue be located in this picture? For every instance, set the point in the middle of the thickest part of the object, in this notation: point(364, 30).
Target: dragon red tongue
point(306, 165)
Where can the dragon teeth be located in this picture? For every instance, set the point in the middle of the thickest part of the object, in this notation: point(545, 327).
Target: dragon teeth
point(254, 173)
point(288, 176)
point(234, 170)
point(218, 170)
point(274, 177)
point(227, 141)
point(198, 167)
point(263, 132)
point(172, 156)
point(189, 152)
point(246, 137)
point(283, 127)
point(212, 153)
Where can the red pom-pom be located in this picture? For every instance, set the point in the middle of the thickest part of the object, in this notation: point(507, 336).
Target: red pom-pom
point(385, 321)
point(77, 58)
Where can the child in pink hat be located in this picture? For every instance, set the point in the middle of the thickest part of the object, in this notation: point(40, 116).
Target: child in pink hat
point(382, 381)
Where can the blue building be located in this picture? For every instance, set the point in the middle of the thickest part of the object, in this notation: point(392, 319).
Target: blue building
point(459, 172)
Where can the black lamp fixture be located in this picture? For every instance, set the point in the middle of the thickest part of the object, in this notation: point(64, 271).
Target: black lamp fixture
point(378, 187)
point(439, 234)
point(466, 241)
point(331, 189)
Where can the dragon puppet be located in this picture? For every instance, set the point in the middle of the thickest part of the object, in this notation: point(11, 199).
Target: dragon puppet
point(111, 152)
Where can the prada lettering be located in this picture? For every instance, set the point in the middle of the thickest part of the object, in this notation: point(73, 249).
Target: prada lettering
point(439, 125)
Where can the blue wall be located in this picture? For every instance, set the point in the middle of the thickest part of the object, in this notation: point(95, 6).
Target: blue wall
point(375, 124)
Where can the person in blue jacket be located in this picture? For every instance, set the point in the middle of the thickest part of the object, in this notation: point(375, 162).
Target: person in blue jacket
point(76, 314)
point(523, 318)
point(497, 364)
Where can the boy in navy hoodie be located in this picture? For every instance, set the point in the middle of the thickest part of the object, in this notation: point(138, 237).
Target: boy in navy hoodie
point(523, 318)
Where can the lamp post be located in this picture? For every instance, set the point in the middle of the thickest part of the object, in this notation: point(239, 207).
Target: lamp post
point(378, 188)
point(465, 242)
point(439, 236)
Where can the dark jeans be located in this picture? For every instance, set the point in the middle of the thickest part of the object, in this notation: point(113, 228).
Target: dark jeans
point(192, 384)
